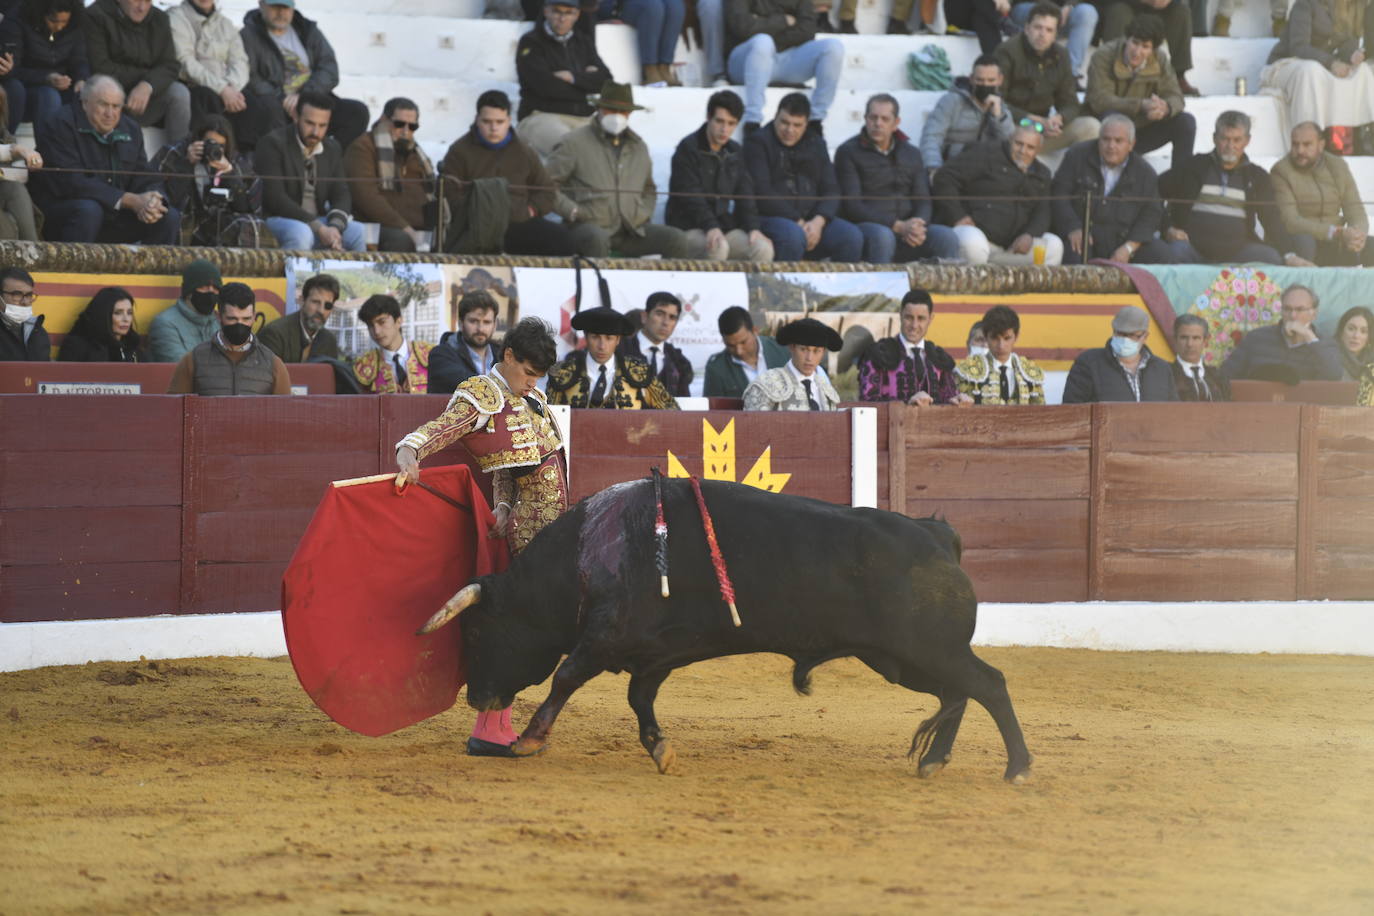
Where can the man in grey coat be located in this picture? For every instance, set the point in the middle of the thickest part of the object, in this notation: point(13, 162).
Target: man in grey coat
point(970, 113)
point(1124, 369)
point(1289, 351)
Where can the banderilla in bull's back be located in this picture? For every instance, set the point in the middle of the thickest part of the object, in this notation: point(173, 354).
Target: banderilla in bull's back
point(814, 581)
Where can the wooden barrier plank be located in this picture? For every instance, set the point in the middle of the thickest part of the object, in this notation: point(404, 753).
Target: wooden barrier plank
point(1247, 428)
point(1027, 575)
point(1097, 495)
point(1200, 524)
point(1057, 426)
point(1343, 474)
point(1308, 469)
point(1345, 429)
point(990, 473)
point(59, 423)
point(1342, 523)
point(1343, 575)
point(1030, 524)
point(280, 426)
point(248, 482)
point(228, 587)
point(1130, 476)
point(893, 447)
point(89, 591)
point(149, 475)
point(274, 534)
point(70, 536)
point(1199, 575)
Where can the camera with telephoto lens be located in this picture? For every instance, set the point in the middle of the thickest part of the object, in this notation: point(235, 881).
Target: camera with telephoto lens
point(213, 151)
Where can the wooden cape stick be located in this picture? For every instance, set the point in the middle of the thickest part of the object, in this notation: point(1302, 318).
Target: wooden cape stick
point(354, 481)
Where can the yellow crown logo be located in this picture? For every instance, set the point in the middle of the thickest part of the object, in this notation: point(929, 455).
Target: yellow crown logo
point(718, 458)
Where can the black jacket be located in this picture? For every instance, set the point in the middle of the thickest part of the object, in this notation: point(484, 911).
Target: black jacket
point(36, 56)
point(131, 52)
point(539, 55)
point(697, 168)
point(865, 172)
point(450, 363)
point(1217, 384)
point(746, 18)
point(14, 347)
point(78, 348)
point(279, 153)
point(242, 192)
point(796, 177)
point(1183, 185)
point(1132, 212)
point(1096, 376)
point(267, 67)
point(674, 368)
point(68, 141)
point(1018, 201)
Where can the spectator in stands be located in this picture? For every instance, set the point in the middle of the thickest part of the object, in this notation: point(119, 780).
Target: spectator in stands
point(799, 206)
point(498, 191)
point(1353, 343)
point(1124, 369)
point(1037, 77)
point(1175, 18)
point(468, 351)
point(1192, 380)
point(896, 19)
point(996, 196)
point(801, 384)
point(131, 40)
point(887, 193)
point(711, 18)
point(666, 362)
point(607, 154)
point(1077, 25)
point(657, 24)
point(747, 353)
point(1233, 193)
point(296, 338)
point(22, 336)
point(559, 70)
point(394, 366)
point(598, 377)
point(1320, 63)
point(211, 185)
point(191, 320)
point(214, 66)
point(1320, 203)
point(977, 342)
point(1017, 380)
point(775, 41)
point(232, 362)
point(288, 57)
point(909, 367)
point(1289, 351)
point(1221, 25)
point(1126, 210)
point(104, 331)
point(81, 200)
point(398, 190)
point(17, 219)
point(985, 18)
point(49, 58)
point(972, 112)
point(1131, 76)
point(312, 206)
point(723, 224)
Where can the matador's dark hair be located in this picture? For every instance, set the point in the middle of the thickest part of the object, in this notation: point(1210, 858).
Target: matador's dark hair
point(531, 341)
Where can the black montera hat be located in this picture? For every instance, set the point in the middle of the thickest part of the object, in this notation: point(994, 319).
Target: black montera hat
point(602, 320)
point(810, 333)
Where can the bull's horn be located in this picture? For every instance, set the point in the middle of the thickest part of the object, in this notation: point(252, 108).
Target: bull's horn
point(470, 595)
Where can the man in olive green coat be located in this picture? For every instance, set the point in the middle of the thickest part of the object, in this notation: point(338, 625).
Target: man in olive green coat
point(1320, 203)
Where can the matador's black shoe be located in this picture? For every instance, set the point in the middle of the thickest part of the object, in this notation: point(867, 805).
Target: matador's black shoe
point(480, 748)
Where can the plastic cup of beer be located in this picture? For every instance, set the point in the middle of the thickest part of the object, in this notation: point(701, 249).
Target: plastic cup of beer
point(1038, 252)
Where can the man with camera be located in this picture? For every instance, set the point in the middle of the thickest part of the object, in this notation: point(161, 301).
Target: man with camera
point(213, 194)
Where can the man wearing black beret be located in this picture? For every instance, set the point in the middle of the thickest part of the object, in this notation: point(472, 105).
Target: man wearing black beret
point(597, 377)
point(801, 384)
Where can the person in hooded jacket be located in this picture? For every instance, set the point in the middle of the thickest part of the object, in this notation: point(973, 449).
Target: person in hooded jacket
point(191, 321)
point(104, 331)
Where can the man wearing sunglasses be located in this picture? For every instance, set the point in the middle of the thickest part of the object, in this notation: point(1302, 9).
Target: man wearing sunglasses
point(297, 337)
point(395, 186)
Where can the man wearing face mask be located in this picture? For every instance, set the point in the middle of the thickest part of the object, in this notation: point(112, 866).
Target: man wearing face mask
point(972, 112)
point(1124, 369)
point(296, 338)
point(233, 361)
point(395, 185)
point(22, 337)
point(607, 177)
point(191, 321)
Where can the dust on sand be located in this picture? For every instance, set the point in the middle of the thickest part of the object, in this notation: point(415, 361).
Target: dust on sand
point(1162, 783)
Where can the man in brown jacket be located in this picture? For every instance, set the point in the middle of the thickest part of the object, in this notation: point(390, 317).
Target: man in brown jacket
point(399, 192)
point(1132, 76)
point(493, 178)
point(1320, 204)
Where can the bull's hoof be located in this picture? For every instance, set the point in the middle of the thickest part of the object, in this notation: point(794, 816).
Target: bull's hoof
point(477, 747)
point(527, 747)
point(931, 768)
point(664, 756)
point(1018, 776)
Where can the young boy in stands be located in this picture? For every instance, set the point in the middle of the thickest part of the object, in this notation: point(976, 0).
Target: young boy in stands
point(395, 366)
point(1000, 376)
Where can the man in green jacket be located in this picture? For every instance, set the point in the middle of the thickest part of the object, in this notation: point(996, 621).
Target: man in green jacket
point(192, 320)
point(606, 154)
point(1320, 203)
point(1037, 76)
point(747, 354)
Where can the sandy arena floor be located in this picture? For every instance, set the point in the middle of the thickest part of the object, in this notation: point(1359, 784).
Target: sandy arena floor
point(1162, 784)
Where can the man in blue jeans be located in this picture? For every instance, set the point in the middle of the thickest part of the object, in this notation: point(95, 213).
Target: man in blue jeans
point(886, 191)
point(775, 41)
point(799, 197)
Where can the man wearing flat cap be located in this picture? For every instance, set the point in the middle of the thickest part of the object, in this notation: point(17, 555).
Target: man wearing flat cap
point(602, 155)
point(1124, 369)
point(799, 385)
point(597, 377)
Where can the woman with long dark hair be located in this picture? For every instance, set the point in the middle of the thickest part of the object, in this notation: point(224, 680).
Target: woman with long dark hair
point(209, 183)
point(1355, 342)
point(104, 331)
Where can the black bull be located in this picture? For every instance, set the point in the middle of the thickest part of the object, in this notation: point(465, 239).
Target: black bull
point(814, 581)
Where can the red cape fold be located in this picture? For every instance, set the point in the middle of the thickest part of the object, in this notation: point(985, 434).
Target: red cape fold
point(369, 571)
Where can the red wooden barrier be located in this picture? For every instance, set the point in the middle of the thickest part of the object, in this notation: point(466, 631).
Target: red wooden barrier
point(152, 378)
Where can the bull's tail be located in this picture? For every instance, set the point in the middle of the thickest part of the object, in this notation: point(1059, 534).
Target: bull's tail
point(925, 733)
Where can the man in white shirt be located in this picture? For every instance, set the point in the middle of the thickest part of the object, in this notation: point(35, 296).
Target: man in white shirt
point(599, 378)
point(394, 366)
point(801, 384)
point(746, 354)
point(666, 362)
point(1001, 375)
point(1194, 381)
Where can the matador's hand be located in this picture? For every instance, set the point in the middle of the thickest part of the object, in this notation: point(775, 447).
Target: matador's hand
point(502, 526)
point(407, 467)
